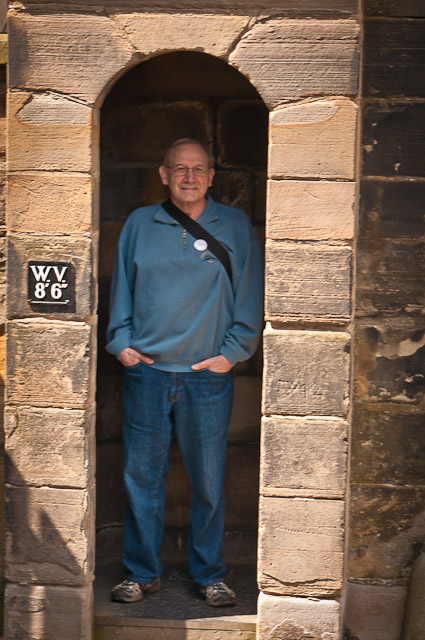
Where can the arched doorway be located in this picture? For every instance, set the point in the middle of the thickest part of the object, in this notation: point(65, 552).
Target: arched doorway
point(181, 94)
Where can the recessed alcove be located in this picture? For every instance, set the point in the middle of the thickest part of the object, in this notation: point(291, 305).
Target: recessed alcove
point(180, 94)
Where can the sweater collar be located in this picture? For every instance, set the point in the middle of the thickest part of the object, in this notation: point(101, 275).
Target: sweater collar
point(209, 214)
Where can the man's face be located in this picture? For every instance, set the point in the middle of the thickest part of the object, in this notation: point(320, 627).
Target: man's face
point(188, 176)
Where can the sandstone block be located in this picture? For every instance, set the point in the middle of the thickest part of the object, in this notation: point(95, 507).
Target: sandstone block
point(306, 279)
point(47, 132)
point(246, 413)
point(77, 251)
point(72, 61)
point(287, 58)
point(374, 611)
point(213, 34)
point(415, 616)
point(386, 522)
point(49, 447)
point(48, 363)
point(305, 372)
point(123, 189)
point(310, 210)
point(313, 140)
point(389, 363)
point(46, 612)
point(305, 457)
point(411, 8)
point(344, 6)
point(242, 134)
point(50, 203)
point(297, 618)
point(234, 188)
point(301, 550)
point(50, 535)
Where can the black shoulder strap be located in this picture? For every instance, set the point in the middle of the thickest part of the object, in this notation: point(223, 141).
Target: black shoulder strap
point(198, 231)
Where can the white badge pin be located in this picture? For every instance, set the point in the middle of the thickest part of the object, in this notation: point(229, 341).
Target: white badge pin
point(200, 244)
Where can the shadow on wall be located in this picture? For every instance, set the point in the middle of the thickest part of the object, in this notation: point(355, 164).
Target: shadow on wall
point(182, 94)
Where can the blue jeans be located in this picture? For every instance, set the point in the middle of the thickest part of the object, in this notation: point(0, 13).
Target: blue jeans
point(197, 406)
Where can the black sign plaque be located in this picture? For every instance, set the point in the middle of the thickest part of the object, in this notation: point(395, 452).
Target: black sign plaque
point(50, 283)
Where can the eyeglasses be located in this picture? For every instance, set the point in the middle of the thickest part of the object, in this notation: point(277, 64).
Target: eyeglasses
point(183, 171)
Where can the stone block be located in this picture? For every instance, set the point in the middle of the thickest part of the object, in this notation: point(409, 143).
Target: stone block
point(50, 203)
point(73, 61)
point(123, 189)
point(389, 363)
point(388, 448)
point(307, 279)
point(393, 139)
point(50, 535)
point(293, 58)
point(49, 447)
point(301, 546)
point(234, 188)
point(246, 414)
point(303, 457)
point(383, 211)
point(48, 133)
point(110, 499)
point(313, 140)
point(48, 363)
point(109, 235)
point(158, 125)
point(343, 6)
point(310, 210)
point(374, 611)
point(394, 56)
point(390, 276)
point(77, 251)
point(152, 32)
point(387, 524)
point(297, 618)
point(414, 622)
point(296, 384)
point(46, 612)
point(407, 8)
point(242, 134)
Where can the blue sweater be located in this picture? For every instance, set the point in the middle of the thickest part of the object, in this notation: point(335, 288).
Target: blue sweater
point(176, 304)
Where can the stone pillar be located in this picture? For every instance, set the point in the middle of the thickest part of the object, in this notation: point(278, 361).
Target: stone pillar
point(306, 399)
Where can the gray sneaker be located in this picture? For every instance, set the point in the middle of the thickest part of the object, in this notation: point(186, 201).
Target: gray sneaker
point(128, 591)
point(218, 595)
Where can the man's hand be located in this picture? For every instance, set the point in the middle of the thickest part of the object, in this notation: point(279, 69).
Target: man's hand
point(129, 357)
point(217, 364)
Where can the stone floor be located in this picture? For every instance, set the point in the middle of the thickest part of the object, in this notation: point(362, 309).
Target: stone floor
point(176, 611)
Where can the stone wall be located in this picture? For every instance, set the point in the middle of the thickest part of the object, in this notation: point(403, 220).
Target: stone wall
point(387, 517)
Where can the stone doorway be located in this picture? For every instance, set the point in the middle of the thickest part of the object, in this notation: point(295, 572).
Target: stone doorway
point(181, 94)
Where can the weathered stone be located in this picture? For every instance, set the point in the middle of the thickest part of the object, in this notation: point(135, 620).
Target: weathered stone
point(77, 251)
point(350, 6)
point(46, 612)
point(240, 143)
point(177, 630)
point(414, 622)
point(389, 362)
point(388, 448)
point(234, 188)
point(44, 55)
point(297, 618)
point(246, 414)
point(310, 210)
point(305, 372)
point(307, 279)
point(158, 125)
point(286, 58)
point(313, 139)
point(49, 447)
point(123, 189)
point(48, 363)
point(407, 8)
point(50, 535)
point(305, 457)
point(393, 139)
point(394, 58)
point(383, 210)
point(50, 203)
point(301, 550)
point(374, 611)
point(386, 524)
point(153, 32)
point(47, 132)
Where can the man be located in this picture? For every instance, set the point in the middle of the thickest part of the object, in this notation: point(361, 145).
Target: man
point(178, 324)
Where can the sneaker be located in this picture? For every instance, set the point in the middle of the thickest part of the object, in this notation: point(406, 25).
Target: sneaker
point(128, 591)
point(218, 595)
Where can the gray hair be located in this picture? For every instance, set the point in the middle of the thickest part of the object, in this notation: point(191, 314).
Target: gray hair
point(183, 141)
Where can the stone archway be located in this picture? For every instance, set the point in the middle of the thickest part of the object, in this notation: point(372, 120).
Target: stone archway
point(306, 72)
